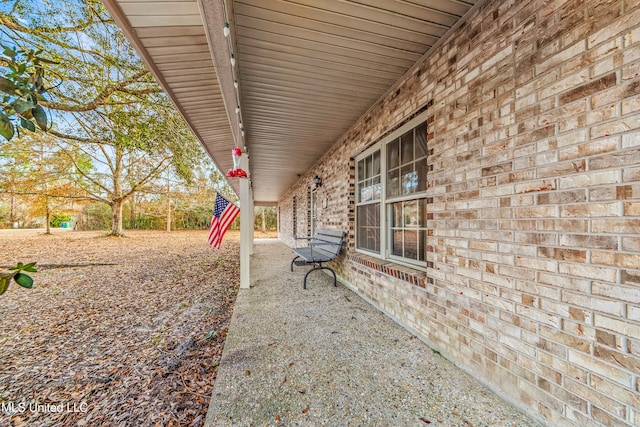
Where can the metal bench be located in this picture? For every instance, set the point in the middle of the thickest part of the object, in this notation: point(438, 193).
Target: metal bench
point(324, 246)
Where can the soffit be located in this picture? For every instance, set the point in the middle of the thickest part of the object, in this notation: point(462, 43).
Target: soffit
point(307, 69)
point(171, 39)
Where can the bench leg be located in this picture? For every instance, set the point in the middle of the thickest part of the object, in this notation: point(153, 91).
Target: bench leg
point(294, 260)
point(320, 267)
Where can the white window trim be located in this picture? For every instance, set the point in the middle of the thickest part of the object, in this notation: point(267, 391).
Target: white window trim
point(385, 229)
point(383, 189)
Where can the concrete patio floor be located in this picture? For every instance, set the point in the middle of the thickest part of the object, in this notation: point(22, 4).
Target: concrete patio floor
point(324, 356)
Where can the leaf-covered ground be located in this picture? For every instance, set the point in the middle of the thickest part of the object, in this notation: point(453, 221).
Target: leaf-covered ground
point(117, 331)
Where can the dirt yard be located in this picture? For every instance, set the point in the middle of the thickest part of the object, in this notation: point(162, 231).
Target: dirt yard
point(117, 331)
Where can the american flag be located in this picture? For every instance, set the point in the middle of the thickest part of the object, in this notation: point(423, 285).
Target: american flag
point(224, 212)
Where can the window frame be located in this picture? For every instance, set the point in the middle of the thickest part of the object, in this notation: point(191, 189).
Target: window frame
point(368, 152)
point(385, 202)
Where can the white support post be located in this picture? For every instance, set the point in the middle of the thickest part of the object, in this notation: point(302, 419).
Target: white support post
point(253, 228)
point(246, 227)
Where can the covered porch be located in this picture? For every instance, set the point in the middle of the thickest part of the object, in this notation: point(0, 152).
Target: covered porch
point(324, 356)
point(483, 157)
point(281, 80)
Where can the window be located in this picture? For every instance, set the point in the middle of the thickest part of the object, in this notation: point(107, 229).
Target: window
point(391, 184)
point(294, 223)
point(369, 191)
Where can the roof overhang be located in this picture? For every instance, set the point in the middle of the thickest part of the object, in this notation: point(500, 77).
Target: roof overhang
point(305, 71)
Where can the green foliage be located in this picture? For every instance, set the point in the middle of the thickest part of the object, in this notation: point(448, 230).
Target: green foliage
point(22, 87)
point(97, 217)
point(270, 218)
point(58, 218)
point(17, 274)
point(118, 130)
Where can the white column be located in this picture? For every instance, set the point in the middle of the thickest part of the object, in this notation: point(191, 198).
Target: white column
point(246, 227)
point(253, 229)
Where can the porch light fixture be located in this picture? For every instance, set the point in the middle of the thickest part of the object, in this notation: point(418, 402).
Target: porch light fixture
point(235, 84)
point(233, 60)
point(237, 109)
point(317, 182)
point(226, 30)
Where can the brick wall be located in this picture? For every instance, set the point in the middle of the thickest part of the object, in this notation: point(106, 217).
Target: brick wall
point(533, 282)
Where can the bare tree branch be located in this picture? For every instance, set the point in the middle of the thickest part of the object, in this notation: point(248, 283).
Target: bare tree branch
point(102, 97)
point(89, 178)
point(154, 172)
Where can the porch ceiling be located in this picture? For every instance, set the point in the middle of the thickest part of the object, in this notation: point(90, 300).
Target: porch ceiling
point(307, 69)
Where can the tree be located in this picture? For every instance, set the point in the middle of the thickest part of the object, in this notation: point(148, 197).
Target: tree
point(37, 172)
point(113, 122)
point(22, 87)
point(128, 151)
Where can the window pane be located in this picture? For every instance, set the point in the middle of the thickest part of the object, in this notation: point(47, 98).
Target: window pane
point(406, 142)
point(397, 215)
point(409, 180)
point(410, 213)
point(368, 227)
point(362, 235)
point(376, 164)
point(393, 183)
point(393, 160)
point(368, 166)
point(377, 188)
point(373, 239)
point(423, 212)
point(422, 245)
point(360, 178)
point(366, 194)
point(411, 244)
point(421, 141)
point(396, 242)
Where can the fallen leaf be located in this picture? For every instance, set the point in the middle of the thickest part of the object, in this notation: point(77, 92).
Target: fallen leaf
point(100, 356)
